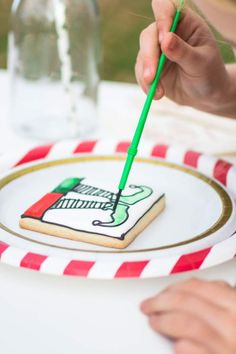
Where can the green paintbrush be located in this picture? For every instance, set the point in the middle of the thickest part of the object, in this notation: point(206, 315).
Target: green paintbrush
point(133, 149)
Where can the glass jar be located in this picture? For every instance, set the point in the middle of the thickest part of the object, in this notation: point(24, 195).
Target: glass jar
point(54, 52)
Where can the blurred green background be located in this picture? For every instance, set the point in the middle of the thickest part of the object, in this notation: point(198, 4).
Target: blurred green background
point(122, 22)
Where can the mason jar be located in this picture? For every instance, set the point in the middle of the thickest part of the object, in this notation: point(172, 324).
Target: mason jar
point(54, 55)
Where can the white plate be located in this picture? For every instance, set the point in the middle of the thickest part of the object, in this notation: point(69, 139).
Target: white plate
point(200, 214)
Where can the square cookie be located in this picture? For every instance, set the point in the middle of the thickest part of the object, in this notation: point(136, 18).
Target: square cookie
point(81, 210)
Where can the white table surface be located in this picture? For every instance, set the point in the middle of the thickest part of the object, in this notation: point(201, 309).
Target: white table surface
point(46, 314)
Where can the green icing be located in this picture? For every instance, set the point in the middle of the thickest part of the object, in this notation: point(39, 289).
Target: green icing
point(135, 198)
point(121, 214)
point(67, 185)
point(115, 218)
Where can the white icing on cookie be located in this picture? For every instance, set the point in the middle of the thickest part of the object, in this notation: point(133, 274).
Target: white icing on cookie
point(89, 208)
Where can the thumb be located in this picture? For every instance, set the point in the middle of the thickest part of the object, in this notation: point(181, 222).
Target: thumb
point(181, 53)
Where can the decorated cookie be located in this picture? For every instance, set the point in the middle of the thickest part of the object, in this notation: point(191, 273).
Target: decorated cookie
point(79, 209)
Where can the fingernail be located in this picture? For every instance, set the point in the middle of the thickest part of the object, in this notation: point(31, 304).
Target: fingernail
point(147, 72)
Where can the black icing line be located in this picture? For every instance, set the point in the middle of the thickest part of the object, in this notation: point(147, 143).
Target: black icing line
point(57, 201)
point(104, 225)
point(121, 238)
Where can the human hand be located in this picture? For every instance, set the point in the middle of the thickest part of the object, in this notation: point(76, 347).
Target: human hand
point(195, 74)
point(200, 316)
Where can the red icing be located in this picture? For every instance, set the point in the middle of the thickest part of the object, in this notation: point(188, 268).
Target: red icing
point(37, 210)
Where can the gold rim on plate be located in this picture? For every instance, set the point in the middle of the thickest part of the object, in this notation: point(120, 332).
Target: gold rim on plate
point(227, 207)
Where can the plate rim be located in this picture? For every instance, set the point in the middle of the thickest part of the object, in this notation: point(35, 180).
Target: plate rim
point(172, 264)
point(226, 199)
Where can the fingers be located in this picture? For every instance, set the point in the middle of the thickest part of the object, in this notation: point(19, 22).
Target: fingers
point(186, 46)
point(178, 325)
point(200, 312)
point(184, 49)
point(188, 347)
point(150, 51)
point(164, 12)
point(143, 81)
point(218, 292)
point(139, 69)
point(178, 300)
point(181, 53)
point(147, 60)
point(188, 74)
point(190, 24)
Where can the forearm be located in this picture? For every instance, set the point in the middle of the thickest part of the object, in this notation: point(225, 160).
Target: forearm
point(225, 105)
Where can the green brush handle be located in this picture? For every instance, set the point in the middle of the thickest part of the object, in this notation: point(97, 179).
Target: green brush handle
point(133, 149)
